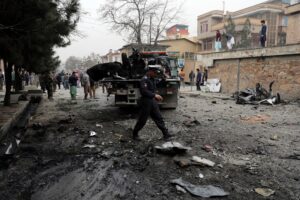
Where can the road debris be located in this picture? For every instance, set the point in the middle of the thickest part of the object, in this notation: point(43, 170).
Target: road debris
point(256, 96)
point(255, 118)
point(172, 148)
point(93, 133)
point(200, 190)
point(180, 189)
point(90, 146)
point(207, 148)
point(201, 175)
point(203, 161)
point(266, 192)
point(191, 123)
point(99, 125)
point(275, 138)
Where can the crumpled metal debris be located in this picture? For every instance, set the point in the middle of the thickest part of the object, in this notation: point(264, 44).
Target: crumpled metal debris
point(200, 190)
point(257, 95)
point(172, 148)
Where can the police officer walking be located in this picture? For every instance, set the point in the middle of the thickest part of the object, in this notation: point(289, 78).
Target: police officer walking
point(149, 105)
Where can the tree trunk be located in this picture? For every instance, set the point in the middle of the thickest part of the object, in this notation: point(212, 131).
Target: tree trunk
point(7, 72)
point(18, 80)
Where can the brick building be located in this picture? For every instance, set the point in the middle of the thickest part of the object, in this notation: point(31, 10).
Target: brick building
point(177, 31)
point(273, 12)
point(293, 13)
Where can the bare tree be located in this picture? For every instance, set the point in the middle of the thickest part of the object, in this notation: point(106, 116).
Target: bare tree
point(165, 14)
point(133, 16)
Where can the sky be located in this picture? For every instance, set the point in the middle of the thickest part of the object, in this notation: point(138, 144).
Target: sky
point(99, 38)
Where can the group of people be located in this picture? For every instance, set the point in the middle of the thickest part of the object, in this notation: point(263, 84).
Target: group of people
point(230, 41)
point(201, 77)
point(50, 82)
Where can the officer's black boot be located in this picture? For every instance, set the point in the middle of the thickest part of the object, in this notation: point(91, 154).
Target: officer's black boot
point(135, 136)
point(167, 135)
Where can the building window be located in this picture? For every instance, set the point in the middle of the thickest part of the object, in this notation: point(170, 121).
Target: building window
point(284, 21)
point(204, 27)
point(207, 45)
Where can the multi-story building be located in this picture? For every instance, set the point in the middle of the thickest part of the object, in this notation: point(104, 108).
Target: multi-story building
point(111, 56)
point(293, 12)
point(272, 11)
point(177, 31)
point(185, 50)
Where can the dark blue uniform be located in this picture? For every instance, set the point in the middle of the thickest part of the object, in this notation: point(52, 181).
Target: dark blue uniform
point(150, 107)
point(263, 35)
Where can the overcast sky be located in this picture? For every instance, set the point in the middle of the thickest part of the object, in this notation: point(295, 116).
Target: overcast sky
point(99, 38)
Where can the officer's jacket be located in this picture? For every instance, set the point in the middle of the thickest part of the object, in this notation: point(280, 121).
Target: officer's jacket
point(147, 87)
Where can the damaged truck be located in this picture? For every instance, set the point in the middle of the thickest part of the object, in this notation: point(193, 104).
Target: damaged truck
point(124, 78)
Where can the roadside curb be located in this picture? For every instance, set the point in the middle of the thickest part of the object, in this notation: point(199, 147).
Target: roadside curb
point(6, 127)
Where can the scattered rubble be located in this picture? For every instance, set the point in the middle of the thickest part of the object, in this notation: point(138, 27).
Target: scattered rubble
point(255, 118)
point(266, 192)
point(205, 191)
point(172, 148)
point(203, 161)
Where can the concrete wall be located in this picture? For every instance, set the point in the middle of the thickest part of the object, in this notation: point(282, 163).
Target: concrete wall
point(282, 67)
point(293, 30)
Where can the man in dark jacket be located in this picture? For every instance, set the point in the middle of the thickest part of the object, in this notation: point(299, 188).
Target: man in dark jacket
point(198, 79)
point(263, 33)
point(149, 105)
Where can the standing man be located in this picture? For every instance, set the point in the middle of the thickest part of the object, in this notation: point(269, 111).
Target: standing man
point(218, 44)
point(263, 33)
point(149, 105)
point(198, 79)
point(85, 82)
point(49, 85)
point(181, 76)
point(192, 77)
point(1, 80)
point(73, 85)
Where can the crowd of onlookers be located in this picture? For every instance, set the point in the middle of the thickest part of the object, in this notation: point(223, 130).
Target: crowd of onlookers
point(50, 82)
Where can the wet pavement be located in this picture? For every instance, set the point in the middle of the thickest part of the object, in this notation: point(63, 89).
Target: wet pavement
point(58, 157)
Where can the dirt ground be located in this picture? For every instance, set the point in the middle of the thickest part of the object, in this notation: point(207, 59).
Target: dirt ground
point(252, 146)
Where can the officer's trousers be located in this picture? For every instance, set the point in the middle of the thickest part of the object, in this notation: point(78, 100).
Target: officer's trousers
point(149, 107)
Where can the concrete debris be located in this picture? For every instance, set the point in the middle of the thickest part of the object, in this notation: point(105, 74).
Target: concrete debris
point(255, 118)
point(172, 148)
point(207, 148)
point(191, 123)
point(93, 133)
point(204, 191)
point(266, 192)
point(203, 161)
point(212, 85)
point(90, 146)
point(180, 189)
point(201, 175)
point(183, 162)
point(99, 125)
point(275, 138)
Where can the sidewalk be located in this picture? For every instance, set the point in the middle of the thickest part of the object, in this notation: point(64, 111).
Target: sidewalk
point(192, 90)
point(9, 115)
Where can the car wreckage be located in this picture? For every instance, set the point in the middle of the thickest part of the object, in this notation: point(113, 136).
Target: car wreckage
point(257, 95)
